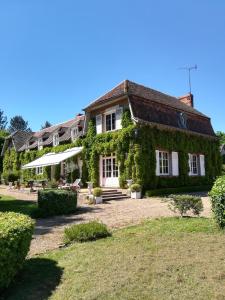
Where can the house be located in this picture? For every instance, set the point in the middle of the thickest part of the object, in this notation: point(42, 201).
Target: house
point(176, 142)
point(132, 133)
point(29, 145)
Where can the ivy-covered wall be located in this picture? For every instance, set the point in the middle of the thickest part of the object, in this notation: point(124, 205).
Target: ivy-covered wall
point(13, 161)
point(135, 147)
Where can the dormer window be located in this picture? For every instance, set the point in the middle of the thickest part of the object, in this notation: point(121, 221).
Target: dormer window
point(74, 133)
point(40, 146)
point(56, 139)
point(110, 121)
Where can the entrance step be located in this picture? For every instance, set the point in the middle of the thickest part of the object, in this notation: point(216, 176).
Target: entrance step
point(108, 195)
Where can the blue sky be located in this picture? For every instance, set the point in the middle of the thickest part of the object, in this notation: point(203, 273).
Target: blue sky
point(58, 55)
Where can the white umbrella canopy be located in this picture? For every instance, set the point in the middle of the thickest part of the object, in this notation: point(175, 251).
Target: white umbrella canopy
point(51, 159)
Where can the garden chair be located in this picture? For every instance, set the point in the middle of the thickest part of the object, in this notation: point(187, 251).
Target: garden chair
point(75, 186)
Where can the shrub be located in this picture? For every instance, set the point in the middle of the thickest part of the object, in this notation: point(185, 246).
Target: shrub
point(56, 202)
point(217, 195)
point(183, 189)
point(53, 184)
point(15, 236)
point(85, 232)
point(135, 187)
point(184, 203)
point(97, 192)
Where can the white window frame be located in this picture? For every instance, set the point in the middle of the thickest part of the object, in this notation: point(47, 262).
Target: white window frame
point(162, 164)
point(55, 139)
point(39, 142)
point(110, 113)
point(39, 170)
point(194, 164)
point(74, 133)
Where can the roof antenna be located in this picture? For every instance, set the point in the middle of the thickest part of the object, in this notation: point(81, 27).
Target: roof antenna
point(189, 69)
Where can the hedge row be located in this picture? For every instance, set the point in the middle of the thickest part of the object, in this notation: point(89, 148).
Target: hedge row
point(184, 189)
point(15, 236)
point(56, 202)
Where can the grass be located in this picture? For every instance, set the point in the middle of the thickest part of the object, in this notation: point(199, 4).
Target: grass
point(168, 258)
point(8, 203)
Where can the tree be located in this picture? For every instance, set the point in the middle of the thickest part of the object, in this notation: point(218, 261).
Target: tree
point(221, 136)
point(46, 125)
point(3, 120)
point(18, 123)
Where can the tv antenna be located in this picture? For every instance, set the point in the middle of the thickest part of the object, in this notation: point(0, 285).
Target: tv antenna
point(189, 69)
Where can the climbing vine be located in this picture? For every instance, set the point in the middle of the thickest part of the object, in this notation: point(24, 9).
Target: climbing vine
point(134, 146)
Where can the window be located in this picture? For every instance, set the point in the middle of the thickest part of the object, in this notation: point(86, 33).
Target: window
point(55, 139)
point(40, 144)
point(74, 133)
point(193, 164)
point(109, 167)
point(163, 163)
point(110, 122)
point(39, 170)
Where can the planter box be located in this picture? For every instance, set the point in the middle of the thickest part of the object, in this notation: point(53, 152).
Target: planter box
point(98, 200)
point(136, 195)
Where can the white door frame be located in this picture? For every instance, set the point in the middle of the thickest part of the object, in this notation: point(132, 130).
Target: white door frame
point(107, 176)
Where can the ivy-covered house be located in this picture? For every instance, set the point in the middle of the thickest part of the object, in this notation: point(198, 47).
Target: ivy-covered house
point(135, 132)
point(131, 132)
point(23, 147)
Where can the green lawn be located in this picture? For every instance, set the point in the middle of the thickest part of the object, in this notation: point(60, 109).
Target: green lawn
point(167, 258)
point(8, 203)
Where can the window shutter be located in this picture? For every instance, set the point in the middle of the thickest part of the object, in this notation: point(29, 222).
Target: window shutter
point(119, 113)
point(99, 124)
point(202, 164)
point(189, 163)
point(157, 171)
point(175, 164)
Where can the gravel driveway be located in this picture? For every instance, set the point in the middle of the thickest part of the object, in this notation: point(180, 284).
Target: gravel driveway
point(48, 233)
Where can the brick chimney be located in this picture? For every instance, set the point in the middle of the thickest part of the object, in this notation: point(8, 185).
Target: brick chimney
point(187, 99)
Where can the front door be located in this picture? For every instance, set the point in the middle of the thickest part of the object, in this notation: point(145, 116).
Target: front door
point(109, 174)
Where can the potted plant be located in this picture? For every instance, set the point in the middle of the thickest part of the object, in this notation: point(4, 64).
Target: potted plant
point(135, 191)
point(97, 192)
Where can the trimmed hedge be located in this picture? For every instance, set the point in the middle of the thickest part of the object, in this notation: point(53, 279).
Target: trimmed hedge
point(85, 232)
point(184, 189)
point(56, 202)
point(15, 236)
point(217, 195)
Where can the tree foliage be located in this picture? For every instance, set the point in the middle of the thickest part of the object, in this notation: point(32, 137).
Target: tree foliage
point(3, 120)
point(18, 123)
point(46, 125)
point(221, 136)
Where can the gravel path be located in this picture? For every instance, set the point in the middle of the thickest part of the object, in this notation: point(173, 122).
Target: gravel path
point(48, 233)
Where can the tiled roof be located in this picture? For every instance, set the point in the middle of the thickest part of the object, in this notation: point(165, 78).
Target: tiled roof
point(131, 88)
point(146, 110)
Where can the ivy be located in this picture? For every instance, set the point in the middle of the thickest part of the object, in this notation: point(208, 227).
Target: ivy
point(134, 146)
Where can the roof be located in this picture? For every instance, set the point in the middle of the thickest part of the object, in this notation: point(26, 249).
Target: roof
point(47, 133)
point(147, 111)
point(128, 87)
point(155, 107)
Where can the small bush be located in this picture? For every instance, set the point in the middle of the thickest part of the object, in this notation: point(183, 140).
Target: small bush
point(15, 236)
point(53, 184)
point(56, 202)
point(185, 203)
point(97, 192)
point(85, 232)
point(135, 187)
point(217, 195)
point(178, 190)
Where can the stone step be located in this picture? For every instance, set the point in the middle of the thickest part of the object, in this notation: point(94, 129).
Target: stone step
point(112, 193)
point(115, 197)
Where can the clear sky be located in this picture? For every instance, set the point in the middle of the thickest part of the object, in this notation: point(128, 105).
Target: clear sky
point(58, 55)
